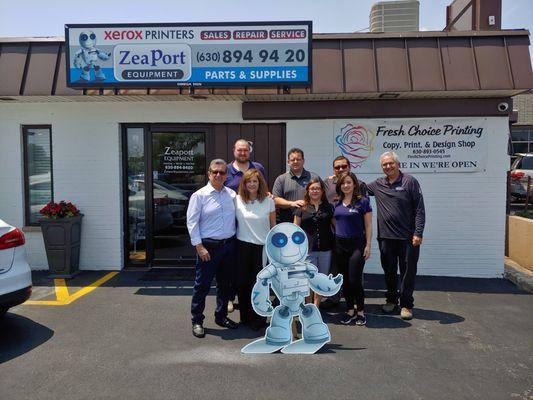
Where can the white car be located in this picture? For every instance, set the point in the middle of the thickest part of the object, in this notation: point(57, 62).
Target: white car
point(15, 273)
point(521, 169)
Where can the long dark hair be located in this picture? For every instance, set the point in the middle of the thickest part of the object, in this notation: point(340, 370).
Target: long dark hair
point(356, 195)
point(307, 198)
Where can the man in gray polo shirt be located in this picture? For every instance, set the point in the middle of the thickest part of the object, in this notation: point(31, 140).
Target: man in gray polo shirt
point(401, 220)
point(341, 165)
point(289, 188)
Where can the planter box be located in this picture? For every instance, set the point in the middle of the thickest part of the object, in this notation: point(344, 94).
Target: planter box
point(521, 241)
point(62, 244)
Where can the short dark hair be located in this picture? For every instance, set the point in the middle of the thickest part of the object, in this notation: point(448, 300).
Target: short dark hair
point(341, 158)
point(295, 150)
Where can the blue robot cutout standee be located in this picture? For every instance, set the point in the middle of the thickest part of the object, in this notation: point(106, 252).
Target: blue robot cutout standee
point(88, 57)
point(291, 277)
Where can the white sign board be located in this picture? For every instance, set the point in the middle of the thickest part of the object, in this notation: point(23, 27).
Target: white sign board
point(169, 55)
point(423, 145)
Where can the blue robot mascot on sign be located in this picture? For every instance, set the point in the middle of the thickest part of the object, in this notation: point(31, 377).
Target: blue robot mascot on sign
point(290, 276)
point(88, 57)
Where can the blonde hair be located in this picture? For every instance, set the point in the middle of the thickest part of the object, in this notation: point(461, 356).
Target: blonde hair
point(262, 190)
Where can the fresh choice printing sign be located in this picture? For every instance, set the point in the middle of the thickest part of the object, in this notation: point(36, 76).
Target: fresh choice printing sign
point(168, 55)
point(423, 145)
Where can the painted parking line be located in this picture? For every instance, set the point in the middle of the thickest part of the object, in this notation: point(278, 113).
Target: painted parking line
point(63, 297)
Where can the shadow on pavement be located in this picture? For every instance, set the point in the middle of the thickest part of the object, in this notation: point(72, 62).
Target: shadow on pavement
point(165, 291)
point(376, 318)
point(334, 347)
point(449, 284)
point(232, 334)
point(374, 283)
point(19, 335)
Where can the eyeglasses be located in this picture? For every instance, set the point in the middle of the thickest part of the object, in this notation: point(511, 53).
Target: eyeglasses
point(216, 172)
point(315, 189)
point(339, 167)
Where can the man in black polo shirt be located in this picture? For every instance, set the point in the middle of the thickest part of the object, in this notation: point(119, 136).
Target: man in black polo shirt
point(401, 220)
point(289, 188)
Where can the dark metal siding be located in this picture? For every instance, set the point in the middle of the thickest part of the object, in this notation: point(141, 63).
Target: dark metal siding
point(426, 64)
point(359, 60)
point(410, 108)
point(343, 63)
point(268, 145)
point(12, 68)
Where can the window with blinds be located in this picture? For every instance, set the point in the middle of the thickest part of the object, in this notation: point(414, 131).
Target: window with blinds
point(37, 141)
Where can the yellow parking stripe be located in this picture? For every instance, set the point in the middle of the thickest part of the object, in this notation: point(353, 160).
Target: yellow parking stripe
point(62, 295)
point(90, 288)
point(61, 290)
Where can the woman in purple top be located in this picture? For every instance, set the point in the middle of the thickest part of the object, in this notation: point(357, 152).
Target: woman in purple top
point(353, 233)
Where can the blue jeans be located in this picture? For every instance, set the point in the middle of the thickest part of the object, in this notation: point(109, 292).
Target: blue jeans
point(220, 266)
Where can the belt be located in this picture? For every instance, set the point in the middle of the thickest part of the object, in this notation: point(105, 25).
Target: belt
point(208, 242)
point(349, 239)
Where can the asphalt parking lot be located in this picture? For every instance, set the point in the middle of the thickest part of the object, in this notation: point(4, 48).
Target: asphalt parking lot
point(131, 339)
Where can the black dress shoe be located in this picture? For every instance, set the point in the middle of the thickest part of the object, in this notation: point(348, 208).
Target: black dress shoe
point(226, 323)
point(198, 330)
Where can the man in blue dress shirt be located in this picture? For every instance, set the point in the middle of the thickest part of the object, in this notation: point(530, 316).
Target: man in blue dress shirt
point(211, 225)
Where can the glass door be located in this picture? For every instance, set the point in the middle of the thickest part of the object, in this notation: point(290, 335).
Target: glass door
point(178, 169)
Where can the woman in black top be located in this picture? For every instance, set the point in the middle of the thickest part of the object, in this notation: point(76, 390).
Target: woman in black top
point(315, 217)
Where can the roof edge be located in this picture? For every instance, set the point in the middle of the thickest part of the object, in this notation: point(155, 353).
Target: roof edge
point(419, 34)
point(330, 36)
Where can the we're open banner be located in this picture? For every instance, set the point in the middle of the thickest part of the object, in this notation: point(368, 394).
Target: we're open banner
point(423, 145)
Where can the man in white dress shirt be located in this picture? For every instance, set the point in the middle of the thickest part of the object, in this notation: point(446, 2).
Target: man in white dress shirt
point(211, 225)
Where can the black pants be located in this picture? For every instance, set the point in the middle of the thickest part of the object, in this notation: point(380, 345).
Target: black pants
point(350, 262)
point(222, 260)
point(400, 253)
point(250, 262)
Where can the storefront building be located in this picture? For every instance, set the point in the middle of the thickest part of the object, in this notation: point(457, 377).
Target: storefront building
point(129, 158)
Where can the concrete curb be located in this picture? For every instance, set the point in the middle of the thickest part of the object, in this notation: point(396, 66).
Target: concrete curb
point(520, 276)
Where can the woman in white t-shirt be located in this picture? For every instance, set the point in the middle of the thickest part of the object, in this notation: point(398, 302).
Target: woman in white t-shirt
point(256, 214)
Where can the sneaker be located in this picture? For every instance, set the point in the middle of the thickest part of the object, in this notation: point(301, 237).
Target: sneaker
point(198, 330)
point(347, 318)
point(360, 320)
point(388, 307)
point(230, 306)
point(406, 313)
point(226, 323)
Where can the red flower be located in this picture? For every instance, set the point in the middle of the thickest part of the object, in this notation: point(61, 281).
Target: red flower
point(59, 210)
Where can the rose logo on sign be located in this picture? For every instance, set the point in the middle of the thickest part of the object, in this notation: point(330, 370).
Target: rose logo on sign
point(355, 143)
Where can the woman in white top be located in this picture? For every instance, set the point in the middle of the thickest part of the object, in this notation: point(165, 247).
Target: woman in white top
point(256, 214)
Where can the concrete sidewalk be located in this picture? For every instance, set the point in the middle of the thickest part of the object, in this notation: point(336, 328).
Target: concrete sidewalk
point(131, 339)
point(520, 276)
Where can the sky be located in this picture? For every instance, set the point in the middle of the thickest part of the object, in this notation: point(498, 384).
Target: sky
point(36, 18)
